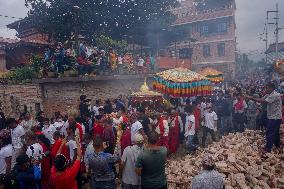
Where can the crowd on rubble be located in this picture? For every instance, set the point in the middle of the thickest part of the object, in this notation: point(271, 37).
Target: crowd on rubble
point(115, 142)
point(87, 60)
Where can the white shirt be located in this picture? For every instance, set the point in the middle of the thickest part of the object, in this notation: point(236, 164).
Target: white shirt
point(35, 151)
point(5, 152)
point(72, 146)
point(135, 127)
point(210, 119)
point(48, 132)
point(89, 150)
point(129, 157)
point(63, 130)
point(243, 109)
point(189, 125)
point(166, 128)
point(58, 124)
point(96, 110)
point(16, 135)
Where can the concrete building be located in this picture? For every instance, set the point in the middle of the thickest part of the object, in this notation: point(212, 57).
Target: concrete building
point(211, 25)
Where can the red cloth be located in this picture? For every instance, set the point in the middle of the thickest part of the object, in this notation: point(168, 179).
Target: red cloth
point(161, 126)
point(164, 141)
point(45, 169)
point(239, 105)
point(64, 151)
point(66, 180)
point(79, 127)
point(174, 137)
point(125, 139)
point(98, 130)
point(197, 115)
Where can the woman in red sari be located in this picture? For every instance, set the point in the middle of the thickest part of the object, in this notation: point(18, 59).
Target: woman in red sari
point(175, 124)
point(45, 162)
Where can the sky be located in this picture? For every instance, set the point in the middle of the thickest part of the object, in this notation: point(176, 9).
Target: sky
point(250, 19)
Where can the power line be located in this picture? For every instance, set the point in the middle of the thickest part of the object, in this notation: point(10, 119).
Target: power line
point(12, 17)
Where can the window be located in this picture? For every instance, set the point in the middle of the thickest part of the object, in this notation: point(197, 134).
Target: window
point(222, 27)
point(204, 29)
point(206, 51)
point(221, 49)
point(185, 53)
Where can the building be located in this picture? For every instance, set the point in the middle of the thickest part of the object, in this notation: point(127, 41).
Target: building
point(17, 52)
point(271, 52)
point(211, 26)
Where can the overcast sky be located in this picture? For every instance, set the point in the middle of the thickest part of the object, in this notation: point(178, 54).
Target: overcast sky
point(250, 18)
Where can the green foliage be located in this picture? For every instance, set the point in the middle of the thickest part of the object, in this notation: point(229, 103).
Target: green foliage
point(64, 19)
point(27, 72)
point(105, 42)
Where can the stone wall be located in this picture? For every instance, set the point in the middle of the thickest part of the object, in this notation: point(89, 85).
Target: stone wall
point(14, 97)
point(61, 94)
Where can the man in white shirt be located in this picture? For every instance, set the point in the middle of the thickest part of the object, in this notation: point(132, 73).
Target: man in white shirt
point(48, 130)
point(6, 151)
point(210, 124)
point(34, 149)
point(128, 160)
point(190, 129)
point(136, 127)
point(17, 133)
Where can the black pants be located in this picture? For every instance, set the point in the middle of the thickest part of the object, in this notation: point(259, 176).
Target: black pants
point(272, 133)
point(239, 122)
point(207, 131)
point(164, 187)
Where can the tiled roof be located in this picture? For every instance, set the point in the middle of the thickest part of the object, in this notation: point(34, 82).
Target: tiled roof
point(7, 40)
point(203, 17)
point(272, 48)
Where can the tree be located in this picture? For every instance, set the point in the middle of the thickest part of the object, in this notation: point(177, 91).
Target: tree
point(63, 19)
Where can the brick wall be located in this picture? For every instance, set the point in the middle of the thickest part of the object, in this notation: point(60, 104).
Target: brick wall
point(61, 96)
point(14, 97)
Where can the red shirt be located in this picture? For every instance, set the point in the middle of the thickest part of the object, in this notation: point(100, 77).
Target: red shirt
point(125, 139)
point(67, 179)
point(197, 115)
point(98, 130)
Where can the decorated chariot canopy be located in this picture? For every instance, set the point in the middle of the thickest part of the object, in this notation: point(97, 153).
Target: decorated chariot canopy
point(279, 67)
point(182, 82)
point(146, 94)
point(212, 75)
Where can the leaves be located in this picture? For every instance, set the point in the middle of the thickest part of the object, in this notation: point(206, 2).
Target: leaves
point(114, 18)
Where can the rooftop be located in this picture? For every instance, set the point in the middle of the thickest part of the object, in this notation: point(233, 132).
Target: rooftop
point(210, 15)
point(272, 48)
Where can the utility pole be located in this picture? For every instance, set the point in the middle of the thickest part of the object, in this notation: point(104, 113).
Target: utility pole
point(266, 38)
point(276, 23)
point(277, 32)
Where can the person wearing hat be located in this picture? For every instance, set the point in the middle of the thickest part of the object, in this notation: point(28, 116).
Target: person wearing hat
point(27, 172)
point(208, 178)
point(130, 180)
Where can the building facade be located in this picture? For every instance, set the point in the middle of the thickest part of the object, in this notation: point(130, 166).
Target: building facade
point(210, 30)
point(271, 53)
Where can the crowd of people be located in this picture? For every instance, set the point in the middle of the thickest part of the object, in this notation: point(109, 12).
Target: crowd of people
point(115, 142)
point(88, 60)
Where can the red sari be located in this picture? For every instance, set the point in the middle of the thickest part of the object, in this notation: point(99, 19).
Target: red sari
point(98, 130)
point(174, 136)
point(45, 169)
point(125, 139)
